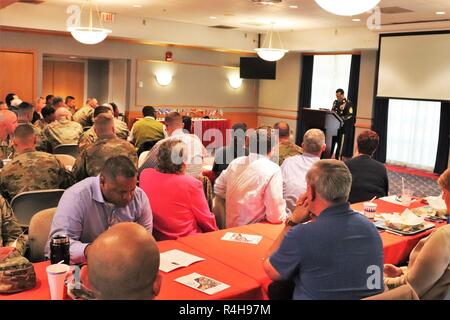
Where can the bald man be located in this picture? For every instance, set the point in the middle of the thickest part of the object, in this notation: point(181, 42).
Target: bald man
point(123, 264)
point(63, 130)
point(8, 122)
point(286, 147)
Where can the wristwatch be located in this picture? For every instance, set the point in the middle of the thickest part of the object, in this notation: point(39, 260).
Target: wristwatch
point(290, 223)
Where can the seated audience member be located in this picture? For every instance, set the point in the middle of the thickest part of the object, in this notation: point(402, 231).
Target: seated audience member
point(70, 104)
point(236, 149)
point(49, 99)
point(89, 137)
point(286, 147)
point(48, 116)
point(121, 127)
point(15, 104)
point(31, 170)
point(294, 168)
point(84, 116)
point(10, 97)
point(3, 106)
point(329, 257)
point(58, 102)
point(252, 185)
point(130, 269)
point(10, 230)
point(178, 203)
point(187, 122)
point(8, 123)
point(92, 158)
point(93, 205)
point(369, 177)
point(62, 130)
point(428, 270)
point(195, 149)
point(146, 129)
point(37, 107)
point(24, 116)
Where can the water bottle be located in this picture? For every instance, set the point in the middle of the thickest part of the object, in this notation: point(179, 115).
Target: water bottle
point(60, 249)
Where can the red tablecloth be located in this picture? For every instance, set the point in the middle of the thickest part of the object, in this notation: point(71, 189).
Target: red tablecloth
point(241, 287)
point(213, 133)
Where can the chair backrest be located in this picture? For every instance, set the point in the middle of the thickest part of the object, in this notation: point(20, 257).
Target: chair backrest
point(38, 233)
point(26, 204)
point(66, 159)
point(219, 210)
point(70, 149)
point(142, 157)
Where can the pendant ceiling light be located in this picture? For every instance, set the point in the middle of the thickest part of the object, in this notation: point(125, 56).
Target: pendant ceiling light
point(267, 51)
point(347, 7)
point(89, 35)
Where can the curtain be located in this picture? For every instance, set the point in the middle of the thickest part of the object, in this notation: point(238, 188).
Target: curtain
point(305, 93)
point(444, 139)
point(413, 135)
point(353, 89)
point(380, 126)
point(330, 72)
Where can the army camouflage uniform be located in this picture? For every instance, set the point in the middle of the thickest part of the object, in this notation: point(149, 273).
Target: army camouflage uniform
point(91, 160)
point(33, 170)
point(42, 143)
point(84, 116)
point(63, 132)
point(10, 228)
point(89, 136)
point(287, 149)
point(6, 148)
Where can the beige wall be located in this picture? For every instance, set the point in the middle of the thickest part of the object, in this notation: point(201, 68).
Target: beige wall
point(278, 99)
point(118, 85)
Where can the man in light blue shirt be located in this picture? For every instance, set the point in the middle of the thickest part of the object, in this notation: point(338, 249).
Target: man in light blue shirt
point(93, 205)
point(294, 168)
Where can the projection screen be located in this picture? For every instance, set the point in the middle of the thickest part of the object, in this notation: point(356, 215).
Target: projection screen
point(415, 66)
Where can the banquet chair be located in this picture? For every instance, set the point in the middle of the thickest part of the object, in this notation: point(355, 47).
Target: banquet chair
point(26, 204)
point(219, 210)
point(142, 158)
point(404, 292)
point(66, 159)
point(38, 233)
point(70, 149)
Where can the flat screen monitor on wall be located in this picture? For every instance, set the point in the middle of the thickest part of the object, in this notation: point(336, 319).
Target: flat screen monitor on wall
point(415, 66)
point(256, 68)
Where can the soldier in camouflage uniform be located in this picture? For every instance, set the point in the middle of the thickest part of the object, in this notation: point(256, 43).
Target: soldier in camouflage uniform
point(30, 169)
point(8, 122)
point(24, 116)
point(286, 147)
point(63, 130)
point(10, 229)
point(85, 116)
point(91, 160)
point(89, 136)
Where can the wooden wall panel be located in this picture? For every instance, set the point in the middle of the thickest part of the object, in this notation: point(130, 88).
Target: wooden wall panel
point(17, 74)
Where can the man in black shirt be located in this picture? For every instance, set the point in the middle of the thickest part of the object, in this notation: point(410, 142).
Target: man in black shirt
point(344, 109)
point(369, 177)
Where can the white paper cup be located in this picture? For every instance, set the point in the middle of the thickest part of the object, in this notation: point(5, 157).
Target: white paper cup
point(407, 197)
point(56, 274)
point(369, 209)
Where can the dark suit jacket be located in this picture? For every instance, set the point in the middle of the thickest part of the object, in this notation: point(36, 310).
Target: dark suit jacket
point(369, 179)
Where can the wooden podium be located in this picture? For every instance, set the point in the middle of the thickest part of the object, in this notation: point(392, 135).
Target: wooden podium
point(327, 121)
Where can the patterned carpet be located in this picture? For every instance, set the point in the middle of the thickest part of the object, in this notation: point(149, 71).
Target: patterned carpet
point(421, 186)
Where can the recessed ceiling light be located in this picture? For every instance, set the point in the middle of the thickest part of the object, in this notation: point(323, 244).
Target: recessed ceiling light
point(356, 20)
point(213, 17)
point(137, 6)
point(72, 57)
point(293, 7)
point(440, 12)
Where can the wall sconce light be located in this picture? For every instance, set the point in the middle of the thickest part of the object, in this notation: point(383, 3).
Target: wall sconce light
point(163, 78)
point(235, 82)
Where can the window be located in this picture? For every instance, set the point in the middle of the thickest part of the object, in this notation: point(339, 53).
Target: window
point(413, 133)
point(330, 72)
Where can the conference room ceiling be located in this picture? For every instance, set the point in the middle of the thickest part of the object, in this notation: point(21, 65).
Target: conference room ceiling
point(249, 16)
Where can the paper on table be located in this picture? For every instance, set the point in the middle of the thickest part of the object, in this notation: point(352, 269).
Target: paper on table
point(241, 237)
point(174, 259)
point(202, 283)
point(392, 199)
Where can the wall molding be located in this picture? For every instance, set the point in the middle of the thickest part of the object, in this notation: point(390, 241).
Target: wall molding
point(188, 63)
point(273, 115)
